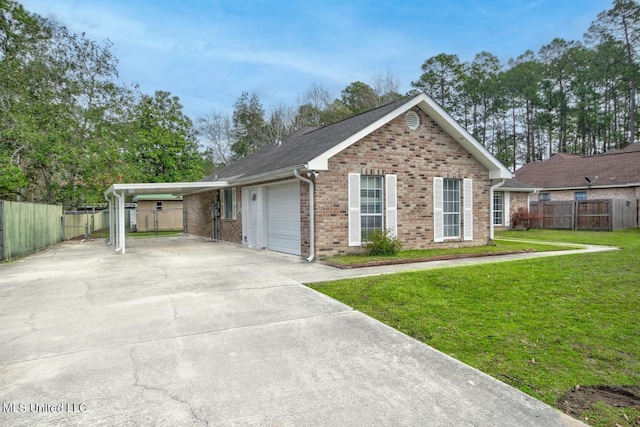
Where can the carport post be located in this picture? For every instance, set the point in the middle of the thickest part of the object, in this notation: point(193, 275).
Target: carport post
point(111, 224)
point(121, 224)
point(120, 221)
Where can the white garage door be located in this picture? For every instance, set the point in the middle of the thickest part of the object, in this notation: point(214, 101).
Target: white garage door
point(283, 213)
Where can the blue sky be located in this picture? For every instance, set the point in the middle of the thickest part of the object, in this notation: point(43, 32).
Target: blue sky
point(208, 51)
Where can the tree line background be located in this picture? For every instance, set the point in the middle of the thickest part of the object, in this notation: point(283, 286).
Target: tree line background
point(69, 128)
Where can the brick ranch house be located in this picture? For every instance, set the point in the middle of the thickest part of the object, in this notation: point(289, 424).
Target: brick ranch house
point(563, 177)
point(407, 166)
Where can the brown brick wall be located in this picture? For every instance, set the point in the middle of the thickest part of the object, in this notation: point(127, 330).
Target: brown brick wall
point(197, 208)
point(592, 194)
point(416, 157)
point(199, 219)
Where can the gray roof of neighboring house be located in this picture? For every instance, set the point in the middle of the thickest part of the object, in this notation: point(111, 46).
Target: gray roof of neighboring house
point(613, 168)
point(301, 147)
point(515, 185)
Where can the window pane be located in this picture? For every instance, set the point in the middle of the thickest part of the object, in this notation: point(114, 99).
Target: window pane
point(370, 204)
point(498, 208)
point(228, 203)
point(451, 207)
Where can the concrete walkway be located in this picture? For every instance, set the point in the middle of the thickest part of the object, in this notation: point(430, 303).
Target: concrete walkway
point(184, 332)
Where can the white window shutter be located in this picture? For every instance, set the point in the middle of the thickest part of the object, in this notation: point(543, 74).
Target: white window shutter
point(438, 202)
point(354, 209)
point(234, 205)
point(506, 214)
point(468, 208)
point(392, 204)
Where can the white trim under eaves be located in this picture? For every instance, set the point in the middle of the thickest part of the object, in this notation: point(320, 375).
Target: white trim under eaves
point(496, 169)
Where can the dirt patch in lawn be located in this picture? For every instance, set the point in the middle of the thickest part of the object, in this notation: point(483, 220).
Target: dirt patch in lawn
point(579, 399)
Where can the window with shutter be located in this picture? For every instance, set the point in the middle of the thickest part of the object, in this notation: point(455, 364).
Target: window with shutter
point(354, 209)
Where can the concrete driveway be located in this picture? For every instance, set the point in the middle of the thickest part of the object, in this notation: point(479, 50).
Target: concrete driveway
point(184, 332)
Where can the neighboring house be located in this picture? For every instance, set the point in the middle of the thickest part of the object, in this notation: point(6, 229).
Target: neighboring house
point(406, 166)
point(614, 175)
point(158, 212)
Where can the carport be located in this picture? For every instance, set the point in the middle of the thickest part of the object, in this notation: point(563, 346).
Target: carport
point(117, 193)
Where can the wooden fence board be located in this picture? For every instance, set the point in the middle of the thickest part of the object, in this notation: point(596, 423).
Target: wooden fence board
point(585, 214)
point(29, 227)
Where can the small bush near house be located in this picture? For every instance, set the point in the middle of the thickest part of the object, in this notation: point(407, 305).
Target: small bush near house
point(380, 242)
point(521, 219)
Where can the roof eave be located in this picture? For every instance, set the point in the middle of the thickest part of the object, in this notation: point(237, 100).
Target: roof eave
point(271, 175)
point(592, 187)
point(177, 188)
point(496, 169)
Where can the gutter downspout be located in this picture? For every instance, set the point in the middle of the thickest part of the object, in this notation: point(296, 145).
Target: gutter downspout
point(491, 190)
point(312, 242)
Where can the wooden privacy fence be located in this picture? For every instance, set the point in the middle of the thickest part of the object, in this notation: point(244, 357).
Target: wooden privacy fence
point(28, 227)
point(159, 220)
point(611, 214)
point(83, 223)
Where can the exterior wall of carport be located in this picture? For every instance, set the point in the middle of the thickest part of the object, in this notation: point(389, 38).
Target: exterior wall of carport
point(416, 157)
point(198, 209)
point(199, 223)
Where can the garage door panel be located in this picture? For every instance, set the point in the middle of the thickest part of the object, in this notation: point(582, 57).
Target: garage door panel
point(283, 211)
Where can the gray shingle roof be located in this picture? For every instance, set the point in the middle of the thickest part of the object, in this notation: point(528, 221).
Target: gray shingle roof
point(615, 167)
point(301, 147)
point(514, 184)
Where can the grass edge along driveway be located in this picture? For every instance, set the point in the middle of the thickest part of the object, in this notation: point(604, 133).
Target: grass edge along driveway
point(543, 325)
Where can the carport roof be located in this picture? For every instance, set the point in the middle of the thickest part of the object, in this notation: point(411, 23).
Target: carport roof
point(177, 188)
point(116, 197)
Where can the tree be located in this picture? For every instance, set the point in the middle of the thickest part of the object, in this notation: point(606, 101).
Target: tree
point(59, 101)
point(622, 23)
point(479, 90)
point(441, 79)
point(162, 145)
point(386, 87)
point(248, 125)
point(217, 130)
point(522, 82)
point(311, 105)
point(555, 92)
point(359, 97)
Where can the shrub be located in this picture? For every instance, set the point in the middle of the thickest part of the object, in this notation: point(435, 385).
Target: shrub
point(522, 219)
point(380, 242)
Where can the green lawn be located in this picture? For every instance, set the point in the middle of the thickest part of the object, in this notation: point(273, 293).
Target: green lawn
point(542, 325)
point(499, 246)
